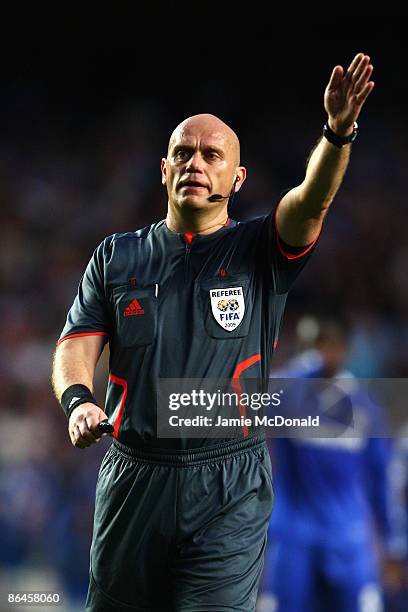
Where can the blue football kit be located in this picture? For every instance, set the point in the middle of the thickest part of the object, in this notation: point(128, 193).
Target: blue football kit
point(331, 497)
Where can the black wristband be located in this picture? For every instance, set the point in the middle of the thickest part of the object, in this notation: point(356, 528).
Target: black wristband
point(75, 395)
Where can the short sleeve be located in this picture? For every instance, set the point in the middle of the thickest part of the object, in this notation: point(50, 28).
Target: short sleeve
point(284, 262)
point(89, 314)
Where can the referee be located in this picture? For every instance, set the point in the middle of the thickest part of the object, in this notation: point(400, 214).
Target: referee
point(180, 525)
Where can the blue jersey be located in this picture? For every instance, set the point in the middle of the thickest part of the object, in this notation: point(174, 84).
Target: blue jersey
point(330, 486)
point(398, 540)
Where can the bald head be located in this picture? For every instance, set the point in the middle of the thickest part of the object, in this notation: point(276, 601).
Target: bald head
point(208, 126)
point(202, 162)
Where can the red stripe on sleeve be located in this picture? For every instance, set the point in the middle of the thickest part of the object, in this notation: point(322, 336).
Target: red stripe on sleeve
point(82, 334)
point(291, 255)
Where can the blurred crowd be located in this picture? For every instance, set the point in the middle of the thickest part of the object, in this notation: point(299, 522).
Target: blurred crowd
point(60, 197)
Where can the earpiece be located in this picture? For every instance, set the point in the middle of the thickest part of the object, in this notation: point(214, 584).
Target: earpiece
point(218, 197)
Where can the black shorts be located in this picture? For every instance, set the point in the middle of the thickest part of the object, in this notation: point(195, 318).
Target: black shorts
point(182, 532)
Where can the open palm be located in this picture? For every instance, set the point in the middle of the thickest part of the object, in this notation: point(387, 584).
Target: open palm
point(346, 93)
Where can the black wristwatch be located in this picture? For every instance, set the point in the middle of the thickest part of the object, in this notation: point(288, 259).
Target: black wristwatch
point(339, 141)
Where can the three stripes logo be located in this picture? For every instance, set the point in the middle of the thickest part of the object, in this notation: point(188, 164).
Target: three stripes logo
point(134, 308)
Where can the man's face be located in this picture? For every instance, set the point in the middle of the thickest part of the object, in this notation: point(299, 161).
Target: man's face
point(201, 161)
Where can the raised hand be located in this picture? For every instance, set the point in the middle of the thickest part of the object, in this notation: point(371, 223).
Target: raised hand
point(347, 92)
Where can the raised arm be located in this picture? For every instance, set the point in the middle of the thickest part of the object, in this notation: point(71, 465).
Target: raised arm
point(74, 363)
point(301, 211)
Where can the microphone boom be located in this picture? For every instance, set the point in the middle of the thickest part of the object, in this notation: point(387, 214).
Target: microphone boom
point(217, 197)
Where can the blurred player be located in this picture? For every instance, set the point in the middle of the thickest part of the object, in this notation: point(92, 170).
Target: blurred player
point(181, 524)
point(331, 520)
point(396, 565)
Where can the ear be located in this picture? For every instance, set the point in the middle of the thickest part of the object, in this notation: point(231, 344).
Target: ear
point(164, 171)
point(240, 176)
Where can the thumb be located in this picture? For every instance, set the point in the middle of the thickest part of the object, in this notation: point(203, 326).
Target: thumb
point(336, 77)
point(101, 415)
point(95, 419)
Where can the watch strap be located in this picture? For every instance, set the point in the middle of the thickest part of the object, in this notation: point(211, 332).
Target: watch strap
point(339, 141)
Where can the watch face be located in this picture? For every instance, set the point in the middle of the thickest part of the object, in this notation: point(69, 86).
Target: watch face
point(354, 133)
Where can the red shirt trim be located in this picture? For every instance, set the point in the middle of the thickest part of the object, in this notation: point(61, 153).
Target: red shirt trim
point(123, 383)
point(286, 253)
point(236, 383)
point(82, 334)
point(189, 237)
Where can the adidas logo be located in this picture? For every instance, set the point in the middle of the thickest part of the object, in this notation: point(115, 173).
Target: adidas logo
point(74, 399)
point(134, 308)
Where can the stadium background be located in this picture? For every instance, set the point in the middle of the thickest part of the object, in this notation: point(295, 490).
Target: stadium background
point(86, 109)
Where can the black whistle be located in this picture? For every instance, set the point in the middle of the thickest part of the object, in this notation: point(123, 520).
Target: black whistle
point(106, 427)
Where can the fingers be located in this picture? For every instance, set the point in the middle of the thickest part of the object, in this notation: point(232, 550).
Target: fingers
point(355, 62)
point(364, 93)
point(336, 77)
point(359, 72)
point(78, 439)
point(87, 429)
point(358, 75)
point(362, 81)
point(83, 425)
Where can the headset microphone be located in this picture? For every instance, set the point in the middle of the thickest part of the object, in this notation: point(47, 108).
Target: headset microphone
point(217, 197)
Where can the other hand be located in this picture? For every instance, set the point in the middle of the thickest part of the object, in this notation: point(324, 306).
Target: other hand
point(83, 425)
